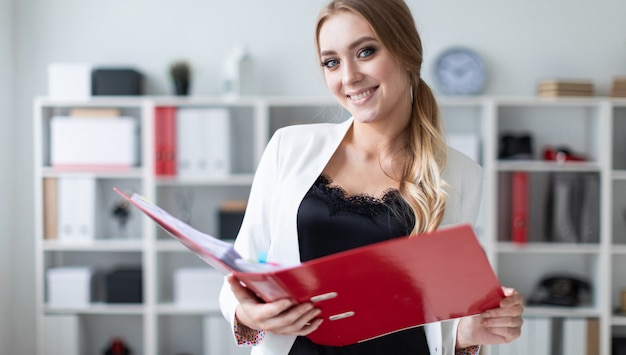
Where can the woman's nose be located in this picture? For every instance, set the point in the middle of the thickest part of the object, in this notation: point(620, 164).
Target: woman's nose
point(351, 73)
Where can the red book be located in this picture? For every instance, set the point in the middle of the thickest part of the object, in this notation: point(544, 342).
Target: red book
point(382, 288)
point(519, 207)
point(165, 140)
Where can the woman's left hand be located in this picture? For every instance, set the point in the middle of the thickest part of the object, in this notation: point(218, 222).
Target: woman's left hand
point(495, 326)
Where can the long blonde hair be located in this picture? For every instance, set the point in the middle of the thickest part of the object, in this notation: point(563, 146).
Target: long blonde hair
point(421, 184)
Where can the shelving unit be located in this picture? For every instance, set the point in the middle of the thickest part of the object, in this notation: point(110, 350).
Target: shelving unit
point(589, 126)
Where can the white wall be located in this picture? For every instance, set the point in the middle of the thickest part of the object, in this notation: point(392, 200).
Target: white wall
point(7, 177)
point(521, 42)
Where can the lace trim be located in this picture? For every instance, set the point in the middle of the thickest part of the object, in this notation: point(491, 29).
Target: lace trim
point(338, 199)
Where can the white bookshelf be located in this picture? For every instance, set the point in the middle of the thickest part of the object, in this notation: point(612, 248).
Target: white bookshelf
point(590, 126)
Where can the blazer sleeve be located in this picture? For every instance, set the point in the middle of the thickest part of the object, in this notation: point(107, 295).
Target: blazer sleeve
point(254, 234)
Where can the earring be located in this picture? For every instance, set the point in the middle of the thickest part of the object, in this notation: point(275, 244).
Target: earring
point(411, 92)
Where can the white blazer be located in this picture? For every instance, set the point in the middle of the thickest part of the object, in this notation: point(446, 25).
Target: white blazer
point(291, 162)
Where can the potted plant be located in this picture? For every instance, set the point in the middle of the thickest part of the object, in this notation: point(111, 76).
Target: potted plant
point(180, 72)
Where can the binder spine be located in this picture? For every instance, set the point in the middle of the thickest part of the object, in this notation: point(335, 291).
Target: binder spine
point(519, 207)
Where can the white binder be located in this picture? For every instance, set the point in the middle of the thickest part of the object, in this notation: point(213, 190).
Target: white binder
point(203, 142)
point(76, 210)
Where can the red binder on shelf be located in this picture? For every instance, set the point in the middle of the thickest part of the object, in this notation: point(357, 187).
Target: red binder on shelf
point(519, 207)
point(365, 292)
point(165, 140)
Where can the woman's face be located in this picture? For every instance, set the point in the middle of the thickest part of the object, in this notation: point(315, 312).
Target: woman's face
point(361, 73)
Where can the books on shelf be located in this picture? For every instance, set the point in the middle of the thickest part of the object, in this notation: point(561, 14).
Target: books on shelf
point(562, 88)
point(618, 88)
point(554, 336)
point(358, 305)
point(50, 210)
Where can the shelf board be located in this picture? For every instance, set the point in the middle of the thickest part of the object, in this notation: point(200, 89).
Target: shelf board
point(94, 101)
point(232, 180)
point(174, 309)
point(546, 166)
point(172, 245)
point(132, 173)
point(618, 250)
point(618, 320)
point(619, 174)
point(548, 248)
point(98, 308)
point(130, 245)
point(556, 311)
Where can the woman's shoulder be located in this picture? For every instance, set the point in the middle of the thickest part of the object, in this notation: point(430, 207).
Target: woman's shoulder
point(309, 128)
point(305, 133)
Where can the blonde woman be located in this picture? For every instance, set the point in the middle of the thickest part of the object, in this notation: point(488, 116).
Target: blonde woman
point(384, 173)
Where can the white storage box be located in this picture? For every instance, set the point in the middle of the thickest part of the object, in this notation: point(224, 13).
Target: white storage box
point(199, 287)
point(69, 286)
point(93, 143)
point(69, 80)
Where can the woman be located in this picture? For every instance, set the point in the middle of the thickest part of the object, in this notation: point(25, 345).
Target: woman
point(384, 173)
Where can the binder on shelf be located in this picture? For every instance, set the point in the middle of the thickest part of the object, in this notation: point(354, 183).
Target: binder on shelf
point(50, 211)
point(580, 336)
point(62, 335)
point(415, 280)
point(76, 205)
point(590, 209)
point(563, 207)
point(203, 142)
point(519, 207)
point(540, 335)
point(165, 140)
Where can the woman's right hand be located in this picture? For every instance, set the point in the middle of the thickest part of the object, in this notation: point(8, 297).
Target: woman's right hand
point(279, 317)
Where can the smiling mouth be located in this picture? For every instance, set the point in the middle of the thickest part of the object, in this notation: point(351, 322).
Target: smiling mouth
point(362, 95)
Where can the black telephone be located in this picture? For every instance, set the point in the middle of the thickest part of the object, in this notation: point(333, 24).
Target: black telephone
point(562, 290)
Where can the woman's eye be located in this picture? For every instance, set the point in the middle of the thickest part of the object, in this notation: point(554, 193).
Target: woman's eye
point(330, 63)
point(366, 52)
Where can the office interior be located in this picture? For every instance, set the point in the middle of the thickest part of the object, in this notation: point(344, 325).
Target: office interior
point(521, 43)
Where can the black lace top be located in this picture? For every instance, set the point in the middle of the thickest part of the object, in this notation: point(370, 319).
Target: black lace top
point(329, 221)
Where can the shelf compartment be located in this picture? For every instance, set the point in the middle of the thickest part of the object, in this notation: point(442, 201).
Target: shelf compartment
point(576, 126)
point(85, 209)
point(557, 207)
point(524, 272)
point(168, 263)
point(198, 206)
point(196, 334)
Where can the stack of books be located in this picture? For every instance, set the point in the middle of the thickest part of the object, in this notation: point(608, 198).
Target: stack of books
point(618, 89)
point(560, 88)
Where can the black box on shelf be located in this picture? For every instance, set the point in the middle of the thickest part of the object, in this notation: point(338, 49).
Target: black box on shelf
point(116, 82)
point(230, 218)
point(124, 285)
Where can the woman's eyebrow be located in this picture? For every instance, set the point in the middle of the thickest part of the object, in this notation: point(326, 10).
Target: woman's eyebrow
point(353, 45)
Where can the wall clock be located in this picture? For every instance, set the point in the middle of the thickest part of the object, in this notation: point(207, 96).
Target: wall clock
point(460, 71)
